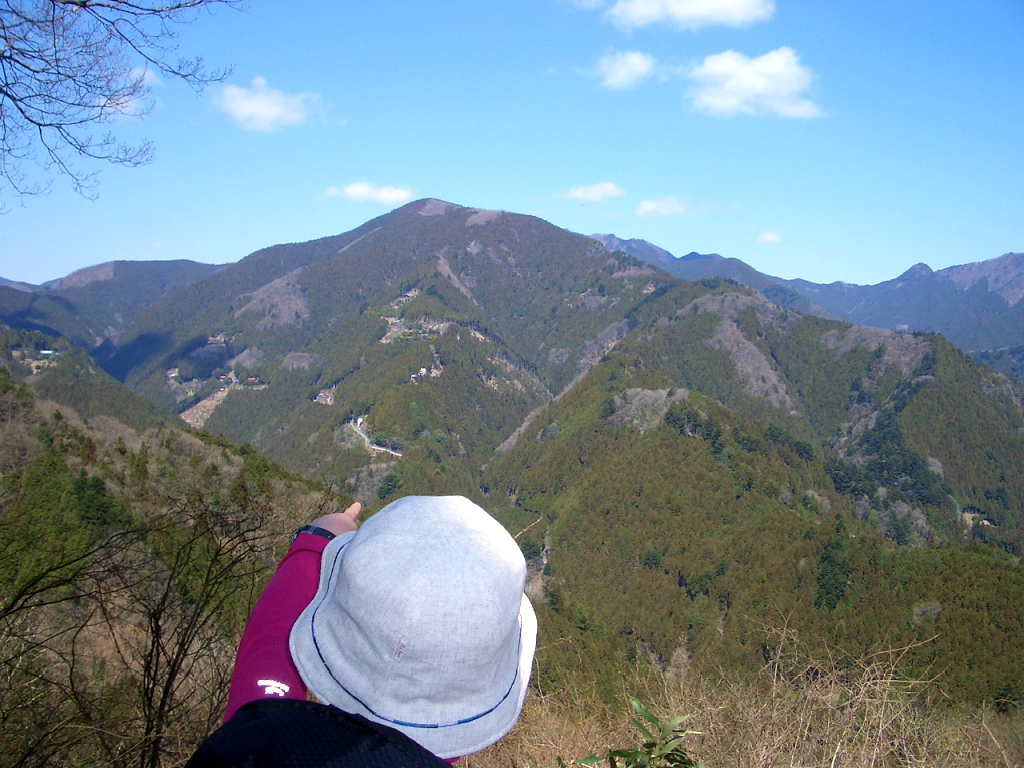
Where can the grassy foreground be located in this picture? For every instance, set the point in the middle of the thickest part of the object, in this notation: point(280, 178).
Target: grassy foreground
point(795, 712)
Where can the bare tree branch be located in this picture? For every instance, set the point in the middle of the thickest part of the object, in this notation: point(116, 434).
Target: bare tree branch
point(129, 665)
point(70, 66)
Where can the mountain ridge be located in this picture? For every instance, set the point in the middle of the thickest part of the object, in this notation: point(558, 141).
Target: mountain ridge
point(975, 304)
point(682, 461)
point(96, 303)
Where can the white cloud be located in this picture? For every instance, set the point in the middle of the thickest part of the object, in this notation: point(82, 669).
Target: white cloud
point(690, 14)
point(148, 76)
point(262, 108)
point(594, 193)
point(362, 192)
point(143, 103)
point(625, 69)
point(769, 238)
point(661, 206)
point(730, 84)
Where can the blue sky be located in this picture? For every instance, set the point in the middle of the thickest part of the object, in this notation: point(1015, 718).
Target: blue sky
point(829, 141)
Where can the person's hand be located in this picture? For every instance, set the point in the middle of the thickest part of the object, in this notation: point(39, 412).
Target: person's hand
point(340, 522)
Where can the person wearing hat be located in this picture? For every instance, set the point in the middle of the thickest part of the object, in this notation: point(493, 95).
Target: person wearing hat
point(413, 631)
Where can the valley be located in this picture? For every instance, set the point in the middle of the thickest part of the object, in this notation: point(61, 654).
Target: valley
point(687, 466)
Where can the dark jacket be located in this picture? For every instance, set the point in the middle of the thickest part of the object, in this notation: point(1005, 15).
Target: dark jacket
point(272, 733)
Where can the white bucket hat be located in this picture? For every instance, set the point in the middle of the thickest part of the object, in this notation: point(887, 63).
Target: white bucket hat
point(420, 623)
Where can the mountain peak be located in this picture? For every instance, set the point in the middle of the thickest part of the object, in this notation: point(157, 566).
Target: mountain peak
point(83, 277)
point(641, 249)
point(694, 256)
point(18, 286)
point(1005, 275)
point(918, 270)
point(433, 207)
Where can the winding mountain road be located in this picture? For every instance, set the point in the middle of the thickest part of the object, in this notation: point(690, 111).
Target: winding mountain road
point(361, 431)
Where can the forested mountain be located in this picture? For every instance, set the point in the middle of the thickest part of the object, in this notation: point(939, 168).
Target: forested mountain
point(498, 310)
point(680, 526)
point(685, 461)
point(95, 303)
point(977, 306)
point(685, 464)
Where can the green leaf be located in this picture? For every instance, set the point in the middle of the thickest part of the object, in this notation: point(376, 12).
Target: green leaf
point(673, 725)
point(642, 729)
point(623, 753)
point(644, 712)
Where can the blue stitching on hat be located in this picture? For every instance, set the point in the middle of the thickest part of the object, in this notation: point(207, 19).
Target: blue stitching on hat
point(312, 626)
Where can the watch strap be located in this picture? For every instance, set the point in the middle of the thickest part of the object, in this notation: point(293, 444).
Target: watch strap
point(313, 529)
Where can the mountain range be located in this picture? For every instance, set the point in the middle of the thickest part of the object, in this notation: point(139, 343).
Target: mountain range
point(95, 303)
point(684, 462)
point(977, 306)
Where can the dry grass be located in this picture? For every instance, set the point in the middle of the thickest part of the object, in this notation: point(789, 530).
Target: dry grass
point(835, 713)
point(563, 725)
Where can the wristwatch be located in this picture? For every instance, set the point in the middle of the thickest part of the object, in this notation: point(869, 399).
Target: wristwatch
point(313, 529)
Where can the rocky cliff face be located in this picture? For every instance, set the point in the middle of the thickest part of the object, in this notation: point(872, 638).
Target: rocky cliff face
point(1004, 275)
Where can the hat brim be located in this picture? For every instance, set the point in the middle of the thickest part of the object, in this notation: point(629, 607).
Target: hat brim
point(445, 741)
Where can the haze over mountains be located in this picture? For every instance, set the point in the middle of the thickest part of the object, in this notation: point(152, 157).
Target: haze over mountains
point(685, 461)
point(95, 303)
point(976, 306)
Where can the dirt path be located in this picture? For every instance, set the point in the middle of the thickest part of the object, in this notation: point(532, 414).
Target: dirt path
point(370, 446)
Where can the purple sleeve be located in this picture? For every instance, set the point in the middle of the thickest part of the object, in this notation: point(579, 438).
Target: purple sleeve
point(263, 666)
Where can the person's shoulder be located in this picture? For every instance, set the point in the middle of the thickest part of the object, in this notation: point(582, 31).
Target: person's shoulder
point(303, 734)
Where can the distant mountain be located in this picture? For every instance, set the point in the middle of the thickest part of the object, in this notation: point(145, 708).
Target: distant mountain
point(976, 306)
point(95, 303)
point(649, 252)
point(389, 333)
point(645, 251)
point(697, 266)
point(17, 285)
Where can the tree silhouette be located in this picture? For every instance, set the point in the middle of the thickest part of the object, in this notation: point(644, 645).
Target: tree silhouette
point(69, 66)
